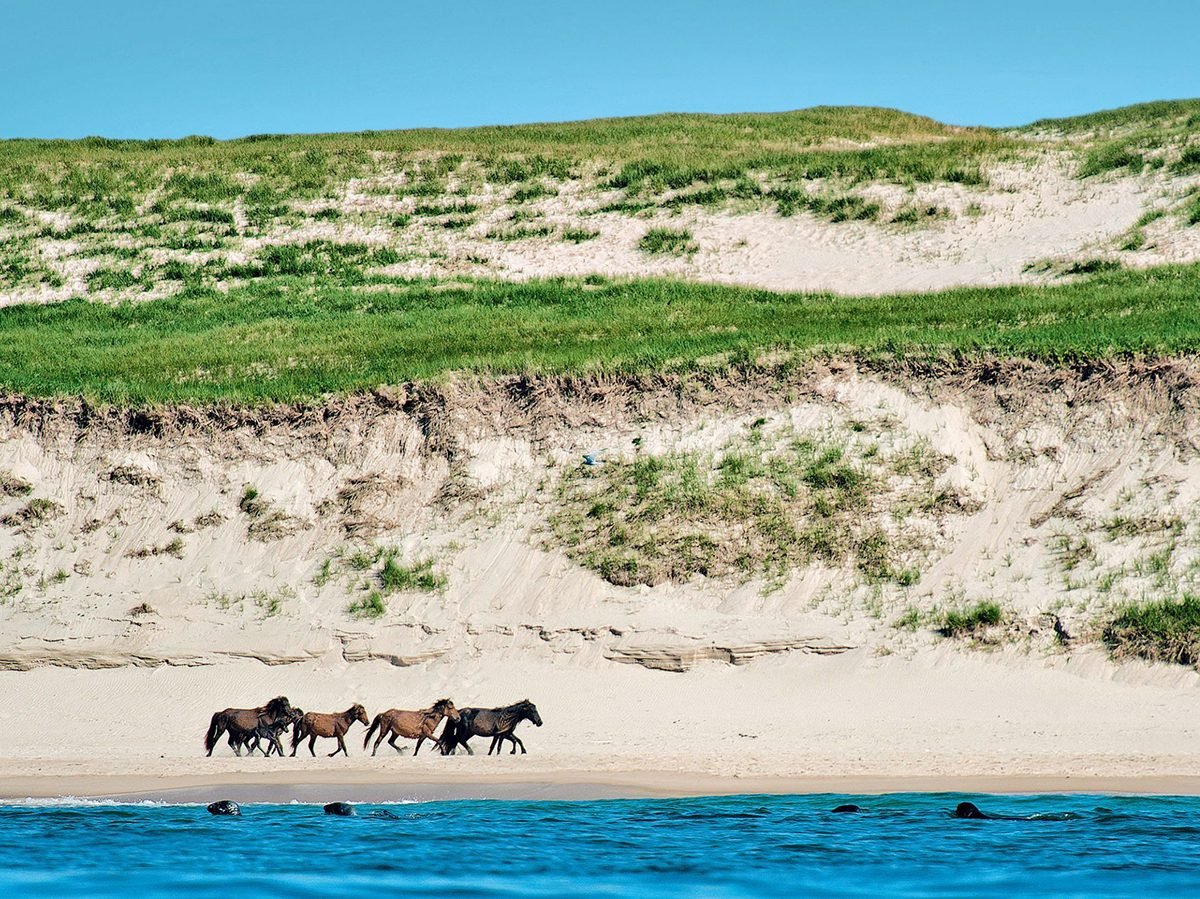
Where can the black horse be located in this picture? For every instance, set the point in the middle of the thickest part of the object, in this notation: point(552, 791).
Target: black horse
point(498, 724)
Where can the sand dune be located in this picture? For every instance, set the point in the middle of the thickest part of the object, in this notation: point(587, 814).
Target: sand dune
point(118, 645)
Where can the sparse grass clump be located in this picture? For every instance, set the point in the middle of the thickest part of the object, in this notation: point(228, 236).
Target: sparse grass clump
point(1191, 210)
point(369, 606)
point(209, 519)
point(11, 485)
point(846, 207)
point(1091, 266)
point(36, 512)
point(417, 576)
point(437, 209)
point(535, 191)
point(267, 523)
point(918, 214)
point(173, 547)
point(271, 602)
point(579, 235)
point(970, 620)
point(668, 242)
point(1110, 157)
point(1158, 630)
point(252, 502)
point(521, 232)
point(112, 279)
point(315, 258)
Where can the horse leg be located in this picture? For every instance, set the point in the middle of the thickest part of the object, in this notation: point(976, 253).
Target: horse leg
point(420, 740)
point(341, 747)
point(378, 740)
point(496, 741)
point(392, 741)
point(311, 743)
point(463, 744)
point(516, 741)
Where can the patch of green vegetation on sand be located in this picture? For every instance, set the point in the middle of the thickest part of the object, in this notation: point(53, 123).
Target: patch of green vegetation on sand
point(301, 336)
point(1166, 630)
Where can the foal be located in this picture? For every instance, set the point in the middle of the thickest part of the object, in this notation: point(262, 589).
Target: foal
point(320, 724)
point(270, 733)
point(418, 725)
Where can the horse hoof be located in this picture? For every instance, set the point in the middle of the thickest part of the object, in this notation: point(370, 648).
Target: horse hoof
point(342, 809)
point(224, 807)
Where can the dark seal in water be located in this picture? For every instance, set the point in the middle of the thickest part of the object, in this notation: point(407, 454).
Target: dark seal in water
point(849, 808)
point(344, 809)
point(968, 810)
point(224, 807)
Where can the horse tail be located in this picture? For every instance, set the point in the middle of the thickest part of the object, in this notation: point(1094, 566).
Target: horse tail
point(375, 725)
point(297, 733)
point(214, 731)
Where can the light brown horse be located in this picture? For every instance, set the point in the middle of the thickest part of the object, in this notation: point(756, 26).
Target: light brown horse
point(418, 725)
point(320, 724)
point(242, 722)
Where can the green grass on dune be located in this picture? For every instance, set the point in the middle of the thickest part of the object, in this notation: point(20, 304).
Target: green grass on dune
point(298, 337)
point(1164, 113)
point(1166, 630)
point(101, 178)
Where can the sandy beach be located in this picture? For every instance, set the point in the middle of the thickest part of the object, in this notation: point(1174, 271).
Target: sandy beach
point(941, 720)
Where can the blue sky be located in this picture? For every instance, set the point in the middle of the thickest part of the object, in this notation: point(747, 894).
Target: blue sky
point(166, 68)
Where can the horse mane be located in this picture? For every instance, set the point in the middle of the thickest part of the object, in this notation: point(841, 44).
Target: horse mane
point(278, 706)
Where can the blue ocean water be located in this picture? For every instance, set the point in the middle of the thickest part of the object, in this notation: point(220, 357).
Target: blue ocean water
point(903, 845)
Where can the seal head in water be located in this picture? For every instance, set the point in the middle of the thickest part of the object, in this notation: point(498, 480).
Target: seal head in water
point(224, 807)
point(969, 810)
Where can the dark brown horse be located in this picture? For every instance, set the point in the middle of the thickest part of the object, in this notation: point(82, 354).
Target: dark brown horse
point(320, 724)
point(418, 725)
point(240, 722)
point(498, 724)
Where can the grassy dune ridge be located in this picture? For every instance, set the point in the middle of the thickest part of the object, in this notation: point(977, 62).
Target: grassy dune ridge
point(121, 218)
point(295, 337)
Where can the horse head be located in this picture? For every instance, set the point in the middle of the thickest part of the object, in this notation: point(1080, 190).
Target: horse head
point(279, 707)
point(446, 707)
point(529, 710)
point(358, 713)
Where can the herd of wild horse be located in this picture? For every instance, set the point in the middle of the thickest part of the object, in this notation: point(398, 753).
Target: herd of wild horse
point(260, 728)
